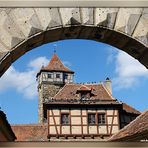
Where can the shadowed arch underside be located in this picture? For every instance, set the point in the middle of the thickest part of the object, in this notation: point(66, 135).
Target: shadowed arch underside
point(23, 29)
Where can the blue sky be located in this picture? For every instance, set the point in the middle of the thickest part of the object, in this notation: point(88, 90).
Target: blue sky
point(92, 62)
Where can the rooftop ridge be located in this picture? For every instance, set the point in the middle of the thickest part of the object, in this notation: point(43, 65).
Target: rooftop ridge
point(84, 83)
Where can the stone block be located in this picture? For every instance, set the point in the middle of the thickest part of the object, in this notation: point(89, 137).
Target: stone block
point(141, 30)
point(105, 17)
point(87, 16)
point(127, 19)
point(27, 20)
point(70, 16)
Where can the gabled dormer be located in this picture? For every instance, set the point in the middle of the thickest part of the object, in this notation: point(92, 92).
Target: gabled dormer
point(84, 92)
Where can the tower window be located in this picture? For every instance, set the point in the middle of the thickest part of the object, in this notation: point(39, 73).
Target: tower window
point(49, 75)
point(101, 119)
point(65, 118)
point(57, 75)
point(91, 119)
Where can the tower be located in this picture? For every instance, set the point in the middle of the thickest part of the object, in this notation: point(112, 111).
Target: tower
point(51, 79)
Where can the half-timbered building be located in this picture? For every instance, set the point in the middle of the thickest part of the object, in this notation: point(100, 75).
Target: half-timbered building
point(78, 111)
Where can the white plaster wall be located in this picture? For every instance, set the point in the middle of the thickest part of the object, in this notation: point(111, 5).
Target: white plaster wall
point(75, 120)
point(93, 129)
point(76, 130)
point(102, 130)
point(65, 129)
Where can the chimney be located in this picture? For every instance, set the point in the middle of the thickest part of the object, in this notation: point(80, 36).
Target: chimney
point(108, 85)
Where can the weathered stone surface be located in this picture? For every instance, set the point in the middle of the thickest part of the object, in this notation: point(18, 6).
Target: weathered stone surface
point(71, 33)
point(127, 19)
point(5, 37)
point(49, 17)
point(141, 31)
point(124, 28)
point(26, 20)
point(3, 48)
point(70, 16)
point(46, 91)
point(105, 16)
point(53, 35)
point(87, 16)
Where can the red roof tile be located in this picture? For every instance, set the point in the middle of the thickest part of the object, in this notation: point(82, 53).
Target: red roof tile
point(30, 132)
point(137, 128)
point(83, 88)
point(69, 91)
point(55, 64)
point(130, 109)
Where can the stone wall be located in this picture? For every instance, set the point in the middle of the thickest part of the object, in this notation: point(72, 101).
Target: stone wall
point(45, 91)
point(23, 29)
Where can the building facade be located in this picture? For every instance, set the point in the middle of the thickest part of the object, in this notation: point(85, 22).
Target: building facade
point(78, 111)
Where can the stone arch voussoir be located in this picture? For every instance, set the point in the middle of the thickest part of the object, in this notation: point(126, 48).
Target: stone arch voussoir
point(23, 29)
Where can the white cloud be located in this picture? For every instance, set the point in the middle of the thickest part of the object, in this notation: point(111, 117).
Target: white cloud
point(128, 71)
point(111, 55)
point(67, 63)
point(24, 82)
point(38, 63)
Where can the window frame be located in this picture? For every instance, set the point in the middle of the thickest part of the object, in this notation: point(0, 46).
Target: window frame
point(91, 124)
point(50, 76)
point(64, 124)
point(58, 74)
point(98, 119)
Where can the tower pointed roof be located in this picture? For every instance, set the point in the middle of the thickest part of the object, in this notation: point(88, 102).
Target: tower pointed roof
point(55, 64)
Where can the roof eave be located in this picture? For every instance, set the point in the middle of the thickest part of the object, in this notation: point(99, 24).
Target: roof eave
point(46, 70)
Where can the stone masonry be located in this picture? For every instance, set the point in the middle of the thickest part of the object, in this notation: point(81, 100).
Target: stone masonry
point(45, 91)
point(23, 29)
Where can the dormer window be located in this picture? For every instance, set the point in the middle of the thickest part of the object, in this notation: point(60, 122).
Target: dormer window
point(84, 95)
point(84, 92)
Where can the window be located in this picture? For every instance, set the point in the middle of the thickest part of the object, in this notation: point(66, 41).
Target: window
point(57, 75)
point(84, 95)
point(49, 75)
point(66, 76)
point(91, 119)
point(65, 118)
point(101, 119)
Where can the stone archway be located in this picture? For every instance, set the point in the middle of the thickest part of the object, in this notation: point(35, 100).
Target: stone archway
point(23, 29)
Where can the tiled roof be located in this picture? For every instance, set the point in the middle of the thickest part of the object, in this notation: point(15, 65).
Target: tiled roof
point(55, 64)
point(99, 95)
point(30, 132)
point(83, 88)
point(130, 109)
point(137, 128)
point(69, 94)
point(69, 91)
